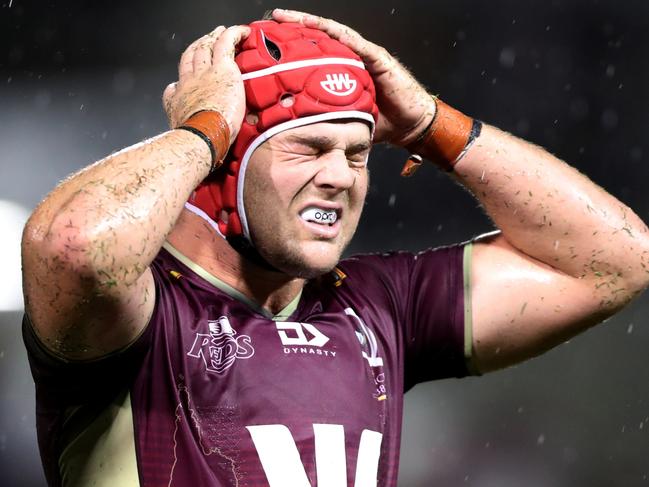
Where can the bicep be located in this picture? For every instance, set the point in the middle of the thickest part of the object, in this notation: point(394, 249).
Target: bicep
point(522, 307)
point(77, 323)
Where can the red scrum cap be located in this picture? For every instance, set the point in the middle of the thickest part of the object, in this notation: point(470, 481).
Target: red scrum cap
point(293, 76)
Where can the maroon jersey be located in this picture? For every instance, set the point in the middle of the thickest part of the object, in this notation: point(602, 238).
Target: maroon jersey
point(222, 394)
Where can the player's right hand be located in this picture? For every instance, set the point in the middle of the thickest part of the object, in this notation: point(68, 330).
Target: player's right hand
point(209, 79)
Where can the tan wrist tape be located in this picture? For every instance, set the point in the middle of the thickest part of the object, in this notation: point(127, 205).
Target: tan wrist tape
point(212, 127)
point(446, 139)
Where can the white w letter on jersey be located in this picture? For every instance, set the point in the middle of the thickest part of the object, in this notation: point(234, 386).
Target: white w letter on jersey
point(283, 467)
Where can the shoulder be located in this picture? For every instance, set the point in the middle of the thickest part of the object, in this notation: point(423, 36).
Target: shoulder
point(403, 261)
point(398, 273)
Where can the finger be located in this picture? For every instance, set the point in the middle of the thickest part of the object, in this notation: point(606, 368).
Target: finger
point(168, 93)
point(203, 55)
point(282, 15)
point(203, 52)
point(167, 96)
point(186, 64)
point(217, 32)
point(227, 42)
point(346, 35)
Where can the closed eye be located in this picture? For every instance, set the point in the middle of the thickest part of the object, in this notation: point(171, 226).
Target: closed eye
point(358, 153)
point(317, 146)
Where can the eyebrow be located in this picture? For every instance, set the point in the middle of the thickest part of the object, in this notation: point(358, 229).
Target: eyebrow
point(322, 142)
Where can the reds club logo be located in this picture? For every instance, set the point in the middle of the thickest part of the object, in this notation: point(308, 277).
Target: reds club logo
point(339, 84)
point(220, 348)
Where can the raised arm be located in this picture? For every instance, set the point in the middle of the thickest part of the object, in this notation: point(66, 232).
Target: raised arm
point(87, 247)
point(568, 254)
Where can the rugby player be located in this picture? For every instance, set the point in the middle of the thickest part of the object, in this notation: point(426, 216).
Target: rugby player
point(189, 320)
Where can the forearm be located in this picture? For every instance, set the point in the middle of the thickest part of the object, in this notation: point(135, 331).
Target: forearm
point(551, 212)
point(109, 220)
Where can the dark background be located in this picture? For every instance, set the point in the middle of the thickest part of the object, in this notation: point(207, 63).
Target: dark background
point(80, 80)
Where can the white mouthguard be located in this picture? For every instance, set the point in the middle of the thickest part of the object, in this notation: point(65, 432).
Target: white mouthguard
point(318, 215)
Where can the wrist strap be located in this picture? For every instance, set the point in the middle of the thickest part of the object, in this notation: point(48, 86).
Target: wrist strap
point(445, 141)
point(212, 127)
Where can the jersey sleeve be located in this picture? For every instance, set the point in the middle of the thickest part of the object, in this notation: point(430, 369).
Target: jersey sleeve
point(427, 294)
point(70, 382)
point(71, 394)
point(437, 320)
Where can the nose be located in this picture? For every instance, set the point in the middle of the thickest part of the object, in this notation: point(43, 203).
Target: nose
point(335, 172)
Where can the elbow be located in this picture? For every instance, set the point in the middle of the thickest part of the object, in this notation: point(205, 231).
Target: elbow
point(641, 280)
point(635, 268)
point(621, 277)
point(55, 248)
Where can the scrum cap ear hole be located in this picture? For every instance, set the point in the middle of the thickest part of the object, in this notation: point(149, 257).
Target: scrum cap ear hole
point(287, 100)
point(252, 118)
point(272, 48)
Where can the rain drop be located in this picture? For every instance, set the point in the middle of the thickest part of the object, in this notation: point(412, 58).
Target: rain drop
point(507, 57)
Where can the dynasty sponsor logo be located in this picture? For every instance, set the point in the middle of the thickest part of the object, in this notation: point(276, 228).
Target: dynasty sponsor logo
point(302, 338)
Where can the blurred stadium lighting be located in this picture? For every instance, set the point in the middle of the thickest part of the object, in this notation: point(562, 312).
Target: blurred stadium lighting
point(13, 218)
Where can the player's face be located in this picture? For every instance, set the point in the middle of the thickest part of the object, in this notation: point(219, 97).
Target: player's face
point(304, 194)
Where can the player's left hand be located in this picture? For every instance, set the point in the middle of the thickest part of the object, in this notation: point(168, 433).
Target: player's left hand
point(405, 107)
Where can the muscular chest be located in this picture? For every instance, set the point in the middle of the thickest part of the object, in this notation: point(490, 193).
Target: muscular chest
point(327, 368)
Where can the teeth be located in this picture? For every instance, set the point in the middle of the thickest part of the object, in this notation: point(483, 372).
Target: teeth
point(319, 215)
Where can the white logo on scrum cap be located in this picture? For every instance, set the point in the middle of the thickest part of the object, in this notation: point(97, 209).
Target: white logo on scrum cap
point(339, 84)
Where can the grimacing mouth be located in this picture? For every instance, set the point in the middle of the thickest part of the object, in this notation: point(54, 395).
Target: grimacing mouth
point(321, 214)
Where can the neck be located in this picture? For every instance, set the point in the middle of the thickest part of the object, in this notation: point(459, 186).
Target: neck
point(196, 239)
